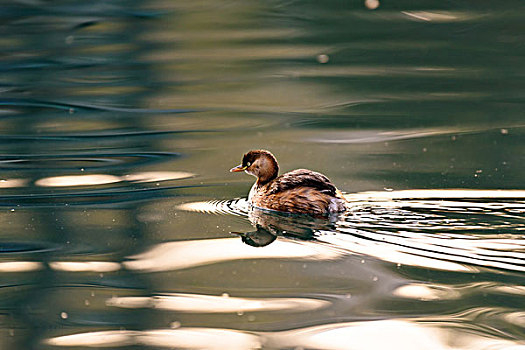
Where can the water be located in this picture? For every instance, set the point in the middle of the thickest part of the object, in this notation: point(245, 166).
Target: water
point(122, 227)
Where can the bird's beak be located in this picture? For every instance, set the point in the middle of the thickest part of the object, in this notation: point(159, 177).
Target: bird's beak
point(238, 169)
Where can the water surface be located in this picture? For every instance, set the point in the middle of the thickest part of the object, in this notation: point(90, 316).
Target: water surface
point(122, 227)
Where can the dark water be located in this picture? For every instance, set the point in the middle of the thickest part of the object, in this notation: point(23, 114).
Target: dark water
point(120, 228)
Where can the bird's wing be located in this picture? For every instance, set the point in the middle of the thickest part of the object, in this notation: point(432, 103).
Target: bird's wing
point(302, 178)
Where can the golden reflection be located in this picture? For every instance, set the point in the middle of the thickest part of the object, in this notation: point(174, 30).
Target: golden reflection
point(196, 303)
point(200, 338)
point(100, 179)
point(182, 338)
point(517, 318)
point(95, 339)
point(77, 180)
point(153, 176)
point(426, 292)
point(85, 266)
point(20, 266)
point(200, 207)
point(12, 183)
point(395, 334)
point(186, 254)
point(510, 289)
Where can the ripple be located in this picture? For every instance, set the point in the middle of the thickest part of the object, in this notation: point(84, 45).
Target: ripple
point(19, 102)
point(453, 230)
point(373, 136)
point(25, 247)
point(102, 197)
point(238, 207)
point(115, 188)
point(76, 162)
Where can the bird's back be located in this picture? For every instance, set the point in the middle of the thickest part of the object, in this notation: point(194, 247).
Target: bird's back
point(299, 191)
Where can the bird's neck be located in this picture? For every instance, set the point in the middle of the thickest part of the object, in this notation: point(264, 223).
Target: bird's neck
point(269, 171)
point(266, 177)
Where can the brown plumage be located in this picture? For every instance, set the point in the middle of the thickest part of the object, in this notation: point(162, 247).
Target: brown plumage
point(300, 191)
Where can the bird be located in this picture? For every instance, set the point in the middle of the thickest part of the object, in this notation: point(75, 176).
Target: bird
point(300, 191)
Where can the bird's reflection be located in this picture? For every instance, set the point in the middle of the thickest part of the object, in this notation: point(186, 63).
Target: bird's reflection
point(270, 224)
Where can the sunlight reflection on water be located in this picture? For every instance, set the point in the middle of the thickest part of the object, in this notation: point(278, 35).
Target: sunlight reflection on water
point(399, 334)
point(218, 304)
point(182, 254)
point(113, 114)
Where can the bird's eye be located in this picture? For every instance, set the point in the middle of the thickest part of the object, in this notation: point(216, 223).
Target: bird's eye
point(249, 163)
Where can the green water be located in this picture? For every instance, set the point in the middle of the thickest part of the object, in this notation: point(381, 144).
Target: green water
point(120, 226)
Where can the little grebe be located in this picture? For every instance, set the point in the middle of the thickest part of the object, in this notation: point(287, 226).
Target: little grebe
point(300, 191)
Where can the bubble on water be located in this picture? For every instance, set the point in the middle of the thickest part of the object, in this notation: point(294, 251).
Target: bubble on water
point(323, 58)
point(69, 39)
point(372, 4)
point(64, 315)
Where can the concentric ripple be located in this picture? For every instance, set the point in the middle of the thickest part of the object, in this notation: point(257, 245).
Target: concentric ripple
point(237, 207)
point(458, 230)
